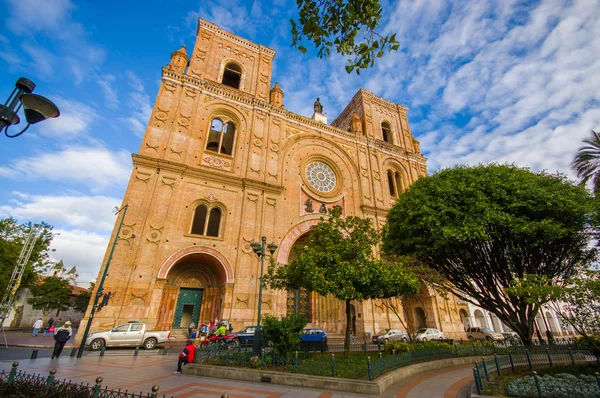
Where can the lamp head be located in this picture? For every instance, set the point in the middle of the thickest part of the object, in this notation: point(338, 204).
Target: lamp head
point(256, 247)
point(272, 247)
point(38, 108)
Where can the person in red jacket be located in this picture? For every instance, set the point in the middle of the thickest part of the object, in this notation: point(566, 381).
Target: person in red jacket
point(187, 356)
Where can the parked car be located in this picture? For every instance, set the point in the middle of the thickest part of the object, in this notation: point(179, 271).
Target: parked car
point(243, 337)
point(510, 334)
point(390, 334)
point(479, 333)
point(313, 334)
point(132, 334)
point(428, 334)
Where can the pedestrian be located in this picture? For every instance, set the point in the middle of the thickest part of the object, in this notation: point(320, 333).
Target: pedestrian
point(203, 330)
point(221, 331)
point(187, 356)
point(212, 328)
point(60, 337)
point(191, 329)
point(230, 328)
point(48, 326)
point(37, 325)
point(58, 323)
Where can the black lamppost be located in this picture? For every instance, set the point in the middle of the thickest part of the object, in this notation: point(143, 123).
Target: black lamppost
point(35, 107)
point(101, 284)
point(259, 250)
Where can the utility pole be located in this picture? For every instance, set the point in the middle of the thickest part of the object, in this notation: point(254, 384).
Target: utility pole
point(15, 279)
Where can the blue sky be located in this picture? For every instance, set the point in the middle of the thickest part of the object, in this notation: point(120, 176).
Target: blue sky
point(494, 81)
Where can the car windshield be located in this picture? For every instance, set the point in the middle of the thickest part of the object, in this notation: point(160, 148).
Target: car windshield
point(486, 330)
point(421, 331)
point(384, 331)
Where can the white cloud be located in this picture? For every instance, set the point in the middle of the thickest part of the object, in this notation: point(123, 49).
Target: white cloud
point(139, 102)
point(91, 213)
point(105, 82)
point(95, 168)
point(74, 120)
point(82, 249)
point(29, 16)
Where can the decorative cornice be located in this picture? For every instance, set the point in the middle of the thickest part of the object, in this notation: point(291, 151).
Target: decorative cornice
point(204, 172)
point(207, 86)
point(202, 23)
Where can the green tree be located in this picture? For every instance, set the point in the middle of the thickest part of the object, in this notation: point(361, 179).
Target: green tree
point(482, 227)
point(82, 301)
point(339, 259)
point(284, 333)
point(575, 300)
point(349, 26)
point(12, 239)
point(51, 294)
point(587, 161)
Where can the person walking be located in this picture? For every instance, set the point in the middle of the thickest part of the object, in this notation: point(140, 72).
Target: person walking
point(61, 336)
point(49, 326)
point(191, 328)
point(187, 356)
point(37, 325)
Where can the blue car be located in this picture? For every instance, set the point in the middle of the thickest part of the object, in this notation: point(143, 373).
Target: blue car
point(313, 334)
point(243, 337)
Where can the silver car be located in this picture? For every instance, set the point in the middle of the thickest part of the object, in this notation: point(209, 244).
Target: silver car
point(390, 334)
point(428, 334)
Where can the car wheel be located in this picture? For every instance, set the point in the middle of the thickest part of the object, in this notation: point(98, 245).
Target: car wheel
point(488, 338)
point(235, 343)
point(424, 339)
point(386, 340)
point(471, 338)
point(441, 337)
point(96, 344)
point(404, 339)
point(150, 343)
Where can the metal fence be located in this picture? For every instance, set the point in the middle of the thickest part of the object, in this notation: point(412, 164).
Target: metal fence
point(22, 384)
point(533, 356)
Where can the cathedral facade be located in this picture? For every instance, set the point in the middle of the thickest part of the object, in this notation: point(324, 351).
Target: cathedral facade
point(223, 163)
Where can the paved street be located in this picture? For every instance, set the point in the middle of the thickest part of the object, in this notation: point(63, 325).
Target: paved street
point(120, 369)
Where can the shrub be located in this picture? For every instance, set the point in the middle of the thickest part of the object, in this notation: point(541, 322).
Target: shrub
point(399, 346)
point(431, 345)
point(284, 333)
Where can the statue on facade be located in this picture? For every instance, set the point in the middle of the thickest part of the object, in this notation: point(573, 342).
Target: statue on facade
point(308, 206)
point(318, 106)
point(323, 208)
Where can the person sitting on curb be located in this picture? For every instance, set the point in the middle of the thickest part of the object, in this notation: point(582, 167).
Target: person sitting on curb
point(61, 336)
point(187, 356)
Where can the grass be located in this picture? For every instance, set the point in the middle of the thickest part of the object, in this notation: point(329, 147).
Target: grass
point(497, 385)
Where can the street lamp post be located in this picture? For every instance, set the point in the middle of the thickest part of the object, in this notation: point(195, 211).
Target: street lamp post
point(259, 250)
point(101, 284)
point(35, 107)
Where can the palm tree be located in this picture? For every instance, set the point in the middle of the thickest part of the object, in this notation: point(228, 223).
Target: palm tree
point(587, 161)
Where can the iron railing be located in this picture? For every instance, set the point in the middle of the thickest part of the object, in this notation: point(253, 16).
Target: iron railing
point(19, 383)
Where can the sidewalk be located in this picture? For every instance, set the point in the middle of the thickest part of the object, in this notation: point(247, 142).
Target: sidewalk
point(20, 338)
point(141, 373)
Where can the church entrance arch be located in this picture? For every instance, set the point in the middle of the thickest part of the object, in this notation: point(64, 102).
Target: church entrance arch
point(195, 283)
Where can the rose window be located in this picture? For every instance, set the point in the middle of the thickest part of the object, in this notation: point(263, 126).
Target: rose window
point(321, 177)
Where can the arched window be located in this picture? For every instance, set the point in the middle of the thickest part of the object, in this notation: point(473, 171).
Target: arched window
point(232, 75)
point(221, 137)
point(395, 183)
point(203, 225)
point(386, 132)
point(214, 221)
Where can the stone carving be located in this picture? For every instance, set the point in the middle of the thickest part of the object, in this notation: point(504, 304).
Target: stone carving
point(289, 131)
point(308, 206)
point(350, 150)
point(323, 208)
point(318, 107)
point(243, 300)
point(211, 197)
point(217, 162)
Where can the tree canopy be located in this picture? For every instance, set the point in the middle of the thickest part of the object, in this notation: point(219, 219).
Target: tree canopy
point(348, 26)
point(587, 161)
point(339, 258)
point(481, 227)
point(12, 239)
point(51, 293)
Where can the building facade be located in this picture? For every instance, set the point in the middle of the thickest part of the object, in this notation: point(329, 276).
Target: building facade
point(223, 163)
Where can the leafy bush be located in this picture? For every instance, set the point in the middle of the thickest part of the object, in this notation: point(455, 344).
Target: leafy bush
point(477, 343)
point(284, 333)
point(560, 386)
point(399, 346)
point(432, 345)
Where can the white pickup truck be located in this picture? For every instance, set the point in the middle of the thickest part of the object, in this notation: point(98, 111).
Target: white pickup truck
point(133, 334)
